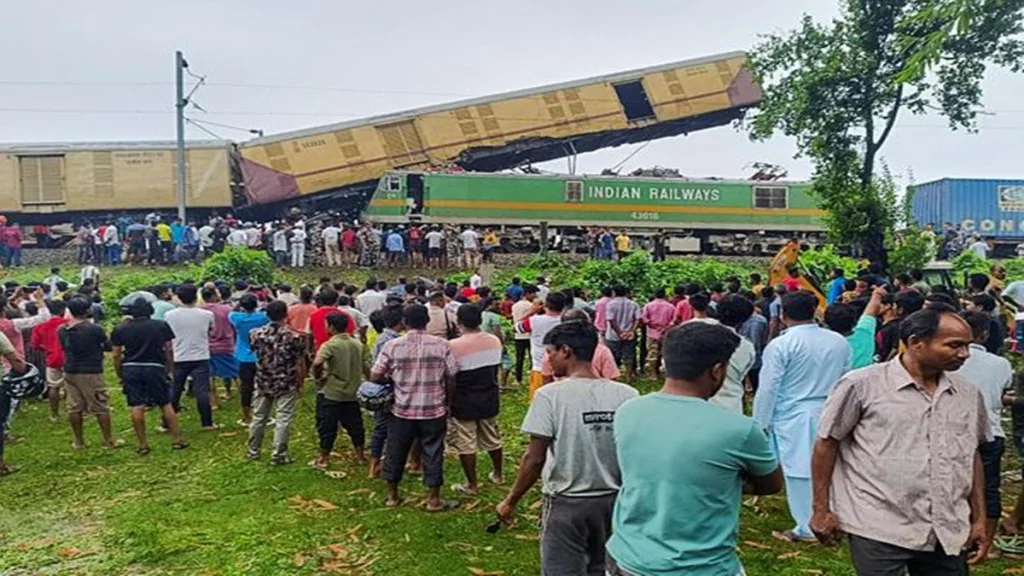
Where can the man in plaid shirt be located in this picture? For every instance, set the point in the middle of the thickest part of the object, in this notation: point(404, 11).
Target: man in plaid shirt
point(422, 368)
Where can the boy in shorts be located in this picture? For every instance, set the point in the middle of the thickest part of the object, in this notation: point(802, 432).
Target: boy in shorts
point(142, 360)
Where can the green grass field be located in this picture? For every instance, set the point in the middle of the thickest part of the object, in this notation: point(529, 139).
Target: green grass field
point(208, 511)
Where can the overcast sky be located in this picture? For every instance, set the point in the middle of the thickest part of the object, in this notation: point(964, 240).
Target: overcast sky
point(277, 66)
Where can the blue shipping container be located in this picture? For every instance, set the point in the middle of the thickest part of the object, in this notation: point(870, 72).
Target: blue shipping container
point(992, 208)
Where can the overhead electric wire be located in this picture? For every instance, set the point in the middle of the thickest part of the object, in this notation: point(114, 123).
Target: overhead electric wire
point(201, 127)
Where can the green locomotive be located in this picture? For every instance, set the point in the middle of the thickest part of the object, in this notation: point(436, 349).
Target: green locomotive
point(725, 216)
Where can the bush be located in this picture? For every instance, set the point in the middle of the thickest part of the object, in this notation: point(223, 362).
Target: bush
point(968, 263)
point(238, 263)
point(820, 261)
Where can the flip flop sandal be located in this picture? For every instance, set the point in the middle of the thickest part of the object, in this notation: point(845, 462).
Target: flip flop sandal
point(394, 504)
point(115, 445)
point(180, 445)
point(143, 451)
point(315, 465)
point(446, 505)
point(77, 448)
point(463, 489)
point(495, 480)
point(7, 470)
point(336, 474)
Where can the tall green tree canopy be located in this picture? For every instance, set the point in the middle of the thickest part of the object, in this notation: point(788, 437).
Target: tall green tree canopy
point(839, 87)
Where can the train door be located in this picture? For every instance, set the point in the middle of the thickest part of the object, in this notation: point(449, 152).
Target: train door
point(414, 193)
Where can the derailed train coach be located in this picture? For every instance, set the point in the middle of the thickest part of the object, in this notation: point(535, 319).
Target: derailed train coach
point(713, 216)
point(62, 183)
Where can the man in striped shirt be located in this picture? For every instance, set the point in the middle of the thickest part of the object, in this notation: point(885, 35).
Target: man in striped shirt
point(476, 398)
point(422, 369)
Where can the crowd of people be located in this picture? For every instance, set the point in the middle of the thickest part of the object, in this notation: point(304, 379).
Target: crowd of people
point(294, 242)
point(880, 417)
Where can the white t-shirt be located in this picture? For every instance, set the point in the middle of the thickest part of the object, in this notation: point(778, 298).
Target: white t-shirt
point(110, 236)
point(331, 234)
point(370, 301)
point(470, 240)
point(519, 311)
point(88, 272)
point(577, 415)
point(979, 248)
point(475, 281)
point(538, 327)
point(237, 238)
point(206, 236)
point(280, 241)
point(252, 237)
point(992, 375)
point(191, 328)
point(298, 236)
point(434, 239)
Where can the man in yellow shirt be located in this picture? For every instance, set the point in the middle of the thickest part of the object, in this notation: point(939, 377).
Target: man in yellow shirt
point(163, 234)
point(490, 243)
point(622, 244)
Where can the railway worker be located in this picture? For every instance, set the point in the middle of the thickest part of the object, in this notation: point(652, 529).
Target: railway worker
point(434, 241)
point(298, 245)
point(798, 370)
point(331, 237)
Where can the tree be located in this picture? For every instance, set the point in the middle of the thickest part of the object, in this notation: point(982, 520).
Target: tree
point(838, 89)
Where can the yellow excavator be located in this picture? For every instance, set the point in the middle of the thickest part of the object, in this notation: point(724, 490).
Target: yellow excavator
point(789, 258)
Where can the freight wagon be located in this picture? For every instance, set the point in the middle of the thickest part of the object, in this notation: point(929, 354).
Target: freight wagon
point(59, 183)
point(993, 209)
point(725, 216)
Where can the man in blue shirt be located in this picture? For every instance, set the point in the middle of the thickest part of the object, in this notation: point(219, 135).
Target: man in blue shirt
point(515, 291)
point(395, 246)
point(678, 508)
point(798, 370)
point(836, 287)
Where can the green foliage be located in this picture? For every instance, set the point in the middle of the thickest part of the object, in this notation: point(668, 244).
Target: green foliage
point(910, 248)
point(838, 88)
point(237, 263)
point(968, 263)
point(820, 262)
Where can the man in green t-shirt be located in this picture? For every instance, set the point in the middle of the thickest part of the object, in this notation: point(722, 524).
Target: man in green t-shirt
point(678, 506)
point(338, 369)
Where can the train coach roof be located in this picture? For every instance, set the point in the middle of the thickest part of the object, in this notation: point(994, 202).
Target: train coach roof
point(397, 116)
point(62, 147)
point(622, 178)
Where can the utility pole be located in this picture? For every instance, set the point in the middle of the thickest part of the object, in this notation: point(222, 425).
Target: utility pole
point(179, 104)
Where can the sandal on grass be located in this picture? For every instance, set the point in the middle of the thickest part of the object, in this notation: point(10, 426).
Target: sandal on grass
point(463, 489)
point(446, 505)
point(143, 451)
point(179, 445)
point(7, 470)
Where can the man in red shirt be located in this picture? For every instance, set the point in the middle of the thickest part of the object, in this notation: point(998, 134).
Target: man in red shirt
point(792, 281)
point(327, 303)
point(44, 337)
point(348, 245)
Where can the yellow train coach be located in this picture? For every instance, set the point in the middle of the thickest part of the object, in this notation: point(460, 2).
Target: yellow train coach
point(46, 183)
point(501, 131)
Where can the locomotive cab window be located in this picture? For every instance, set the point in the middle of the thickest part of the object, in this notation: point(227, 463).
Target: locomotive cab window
point(574, 191)
point(394, 183)
point(772, 197)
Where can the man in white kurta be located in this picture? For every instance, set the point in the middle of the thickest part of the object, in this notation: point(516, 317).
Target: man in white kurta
point(798, 370)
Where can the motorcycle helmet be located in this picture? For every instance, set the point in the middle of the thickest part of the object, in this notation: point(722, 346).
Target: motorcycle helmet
point(28, 384)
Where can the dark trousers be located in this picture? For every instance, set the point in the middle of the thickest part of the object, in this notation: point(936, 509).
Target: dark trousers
point(381, 421)
point(522, 349)
point(330, 414)
point(199, 370)
point(991, 456)
point(5, 407)
point(247, 379)
point(573, 535)
point(401, 435)
point(874, 558)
